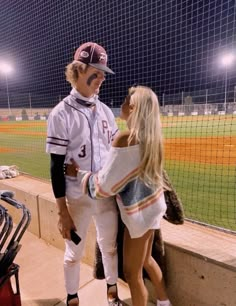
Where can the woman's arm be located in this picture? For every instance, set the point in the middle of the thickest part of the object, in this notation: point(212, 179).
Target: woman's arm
point(111, 178)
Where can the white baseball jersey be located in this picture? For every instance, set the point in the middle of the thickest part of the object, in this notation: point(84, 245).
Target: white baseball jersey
point(82, 133)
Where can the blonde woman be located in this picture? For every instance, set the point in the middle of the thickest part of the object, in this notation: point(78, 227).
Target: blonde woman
point(133, 172)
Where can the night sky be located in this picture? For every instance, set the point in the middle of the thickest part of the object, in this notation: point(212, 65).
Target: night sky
point(170, 45)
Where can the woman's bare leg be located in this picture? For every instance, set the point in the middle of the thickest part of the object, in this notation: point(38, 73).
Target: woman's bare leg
point(135, 253)
point(154, 272)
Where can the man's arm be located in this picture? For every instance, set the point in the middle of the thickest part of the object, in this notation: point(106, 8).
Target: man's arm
point(57, 175)
point(65, 223)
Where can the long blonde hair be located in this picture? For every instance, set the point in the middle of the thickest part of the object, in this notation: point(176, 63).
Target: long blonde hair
point(145, 128)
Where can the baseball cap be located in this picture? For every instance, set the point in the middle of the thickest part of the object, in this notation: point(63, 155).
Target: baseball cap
point(93, 55)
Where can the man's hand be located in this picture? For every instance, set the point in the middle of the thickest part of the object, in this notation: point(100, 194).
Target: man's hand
point(65, 222)
point(65, 225)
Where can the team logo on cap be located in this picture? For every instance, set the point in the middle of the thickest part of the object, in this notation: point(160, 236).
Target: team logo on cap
point(102, 57)
point(84, 54)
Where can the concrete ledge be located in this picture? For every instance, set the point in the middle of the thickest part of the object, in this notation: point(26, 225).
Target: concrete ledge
point(27, 191)
point(201, 265)
point(201, 262)
point(206, 243)
point(48, 220)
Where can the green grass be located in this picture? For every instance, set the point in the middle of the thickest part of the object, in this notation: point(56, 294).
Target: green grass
point(199, 128)
point(207, 191)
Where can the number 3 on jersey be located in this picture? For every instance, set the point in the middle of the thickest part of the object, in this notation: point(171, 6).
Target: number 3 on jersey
point(82, 151)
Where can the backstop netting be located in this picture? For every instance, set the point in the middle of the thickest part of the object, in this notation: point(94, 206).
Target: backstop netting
point(184, 50)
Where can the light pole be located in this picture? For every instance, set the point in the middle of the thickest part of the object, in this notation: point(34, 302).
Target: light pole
point(6, 69)
point(227, 61)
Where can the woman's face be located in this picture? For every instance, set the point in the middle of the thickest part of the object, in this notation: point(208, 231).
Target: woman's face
point(125, 109)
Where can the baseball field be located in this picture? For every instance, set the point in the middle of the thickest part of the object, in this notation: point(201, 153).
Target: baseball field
point(200, 157)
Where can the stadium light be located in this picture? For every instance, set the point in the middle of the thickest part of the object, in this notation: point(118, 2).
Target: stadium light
point(227, 61)
point(6, 69)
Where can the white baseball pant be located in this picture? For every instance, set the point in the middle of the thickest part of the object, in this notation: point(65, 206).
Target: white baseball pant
point(104, 213)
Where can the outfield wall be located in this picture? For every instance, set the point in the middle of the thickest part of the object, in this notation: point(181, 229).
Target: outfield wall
point(167, 110)
point(200, 262)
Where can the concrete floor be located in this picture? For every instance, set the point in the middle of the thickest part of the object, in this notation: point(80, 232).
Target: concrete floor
point(42, 282)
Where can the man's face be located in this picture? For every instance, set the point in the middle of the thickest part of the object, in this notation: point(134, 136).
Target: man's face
point(90, 81)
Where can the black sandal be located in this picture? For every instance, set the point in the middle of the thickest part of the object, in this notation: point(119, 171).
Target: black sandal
point(71, 297)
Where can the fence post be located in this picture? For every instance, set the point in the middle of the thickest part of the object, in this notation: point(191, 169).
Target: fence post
point(206, 108)
point(30, 104)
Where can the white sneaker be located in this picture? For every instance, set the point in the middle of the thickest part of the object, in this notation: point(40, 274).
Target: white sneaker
point(163, 303)
point(114, 302)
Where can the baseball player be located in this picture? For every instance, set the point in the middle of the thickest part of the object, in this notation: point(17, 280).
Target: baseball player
point(82, 127)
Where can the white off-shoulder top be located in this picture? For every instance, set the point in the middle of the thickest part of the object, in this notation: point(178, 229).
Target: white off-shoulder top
point(141, 207)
